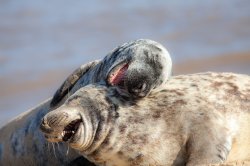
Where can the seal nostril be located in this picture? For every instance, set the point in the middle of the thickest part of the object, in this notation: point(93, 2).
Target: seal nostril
point(44, 122)
point(44, 127)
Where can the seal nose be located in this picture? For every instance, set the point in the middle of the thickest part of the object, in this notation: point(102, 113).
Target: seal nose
point(44, 127)
point(44, 122)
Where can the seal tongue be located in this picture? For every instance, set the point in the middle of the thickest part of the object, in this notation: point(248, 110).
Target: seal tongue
point(117, 77)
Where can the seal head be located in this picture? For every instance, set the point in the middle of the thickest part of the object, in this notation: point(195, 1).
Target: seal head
point(79, 120)
point(143, 66)
point(136, 68)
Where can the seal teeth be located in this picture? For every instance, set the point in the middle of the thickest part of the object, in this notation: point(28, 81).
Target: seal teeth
point(70, 129)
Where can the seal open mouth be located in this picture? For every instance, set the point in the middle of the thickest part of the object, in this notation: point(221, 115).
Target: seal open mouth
point(117, 75)
point(71, 129)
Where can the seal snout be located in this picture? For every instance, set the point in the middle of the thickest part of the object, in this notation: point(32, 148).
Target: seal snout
point(45, 127)
point(60, 125)
point(57, 134)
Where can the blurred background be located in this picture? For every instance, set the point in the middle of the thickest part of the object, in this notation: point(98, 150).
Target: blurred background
point(43, 41)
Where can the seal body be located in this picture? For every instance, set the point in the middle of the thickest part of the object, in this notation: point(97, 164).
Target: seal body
point(196, 119)
point(137, 68)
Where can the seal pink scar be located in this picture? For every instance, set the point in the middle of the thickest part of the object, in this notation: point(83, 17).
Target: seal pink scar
point(117, 76)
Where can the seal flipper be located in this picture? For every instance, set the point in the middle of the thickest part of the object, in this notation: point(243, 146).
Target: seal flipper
point(71, 81)
point(212, 149)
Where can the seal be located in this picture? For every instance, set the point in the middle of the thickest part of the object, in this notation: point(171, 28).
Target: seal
point(21, 140)
point(195, 119)
point(137, 68)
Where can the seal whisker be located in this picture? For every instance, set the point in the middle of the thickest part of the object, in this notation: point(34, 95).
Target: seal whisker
point(53, 146)
point(67, 152)
point(58, 146)
point(48, 146)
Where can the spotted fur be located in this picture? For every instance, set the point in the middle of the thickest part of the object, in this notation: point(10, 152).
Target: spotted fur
point(196, 119)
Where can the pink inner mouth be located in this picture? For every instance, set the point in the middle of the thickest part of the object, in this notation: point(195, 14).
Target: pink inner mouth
point(117, 77)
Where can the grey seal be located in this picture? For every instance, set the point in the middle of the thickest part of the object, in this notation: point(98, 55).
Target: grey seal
point(21, 141)
point(195, 119)
point(137, 68)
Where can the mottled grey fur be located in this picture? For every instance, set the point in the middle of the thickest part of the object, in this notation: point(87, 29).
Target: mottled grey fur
point(196, 119)
point(148, 67)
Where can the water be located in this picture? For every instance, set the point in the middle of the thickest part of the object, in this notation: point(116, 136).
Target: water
point(41, 42)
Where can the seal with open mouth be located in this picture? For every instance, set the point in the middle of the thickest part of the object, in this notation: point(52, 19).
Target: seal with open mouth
point(21, 140)
point(195, 119)
point(136, 68)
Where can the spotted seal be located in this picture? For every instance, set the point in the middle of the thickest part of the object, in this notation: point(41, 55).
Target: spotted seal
point(136, 67)
point(194, 120)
